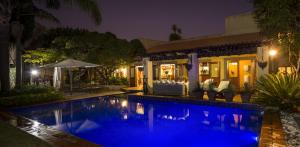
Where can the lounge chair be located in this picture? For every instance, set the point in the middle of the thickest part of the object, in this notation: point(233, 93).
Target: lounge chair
point(206, 83)
point(222, 86)
point(216, 92)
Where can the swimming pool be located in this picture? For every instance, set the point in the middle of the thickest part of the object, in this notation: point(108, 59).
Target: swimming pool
point(114, 121)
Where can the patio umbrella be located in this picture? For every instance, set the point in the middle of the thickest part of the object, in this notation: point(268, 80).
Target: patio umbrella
point(71, 63)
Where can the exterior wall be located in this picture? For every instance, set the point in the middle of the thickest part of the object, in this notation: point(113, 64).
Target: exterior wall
point(250, 59)
point(262, 56)
point(240, 24)
point(177, 62)
point(222, 60)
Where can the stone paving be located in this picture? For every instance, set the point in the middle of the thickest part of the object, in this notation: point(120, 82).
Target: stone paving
point(272, 133)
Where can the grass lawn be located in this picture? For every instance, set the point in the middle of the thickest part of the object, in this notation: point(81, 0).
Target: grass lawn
point(13, 137)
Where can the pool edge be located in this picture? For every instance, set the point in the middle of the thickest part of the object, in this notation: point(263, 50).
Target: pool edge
point(272, 133)
point(43, 132)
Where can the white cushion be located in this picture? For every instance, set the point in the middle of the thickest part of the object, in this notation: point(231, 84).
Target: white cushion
point(223, 85)
point(206, 83)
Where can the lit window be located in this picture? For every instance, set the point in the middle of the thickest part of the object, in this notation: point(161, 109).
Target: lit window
point(167, 71)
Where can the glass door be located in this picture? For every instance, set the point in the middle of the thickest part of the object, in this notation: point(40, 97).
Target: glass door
point(167, 71)
point(233, 72)
point(139, 76)
point(240, 72)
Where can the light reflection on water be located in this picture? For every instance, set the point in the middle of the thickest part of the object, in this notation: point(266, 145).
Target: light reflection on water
point(114, 122)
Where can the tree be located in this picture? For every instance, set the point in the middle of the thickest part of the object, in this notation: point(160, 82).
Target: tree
point(41, 56)
point(138, 48)
point(279, 20)
point(176, 34)
point(19, 16)
point(104, 49)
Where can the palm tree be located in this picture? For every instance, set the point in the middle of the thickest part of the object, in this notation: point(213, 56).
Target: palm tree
point(19, 18)
point(176, 34)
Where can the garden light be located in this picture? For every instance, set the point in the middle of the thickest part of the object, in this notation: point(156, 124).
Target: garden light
point(273, 52)
point(34, 72)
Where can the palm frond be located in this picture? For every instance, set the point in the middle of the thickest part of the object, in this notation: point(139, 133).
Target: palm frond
point(53, 4)
point(279, 90)
point(6, 7)
point(89, 6)
point(40, 13)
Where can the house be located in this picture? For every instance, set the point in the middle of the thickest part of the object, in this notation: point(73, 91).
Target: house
point(240, 54)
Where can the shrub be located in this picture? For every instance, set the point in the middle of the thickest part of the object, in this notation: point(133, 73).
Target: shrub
point(29, 89)
point(29, 95)
point(279, 90)
point(118, 81)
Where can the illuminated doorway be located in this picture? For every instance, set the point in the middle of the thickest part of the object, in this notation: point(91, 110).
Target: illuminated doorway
point(167, 71)
point(139, 76)
point(240, 72)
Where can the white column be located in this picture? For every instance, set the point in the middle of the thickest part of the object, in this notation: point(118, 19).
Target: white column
point(223, 69)
point(193, 71)
point(57, 78)
point(148, 73)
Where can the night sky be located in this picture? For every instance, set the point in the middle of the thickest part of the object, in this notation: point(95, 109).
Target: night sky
point(152, 19)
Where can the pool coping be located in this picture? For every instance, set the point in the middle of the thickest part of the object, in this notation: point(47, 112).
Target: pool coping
point(43, 132)
point(60, 101)
point(193, 100)
point(272, 133)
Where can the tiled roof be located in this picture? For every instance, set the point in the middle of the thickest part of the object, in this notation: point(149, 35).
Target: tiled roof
point(207, 41)
point(149, 43)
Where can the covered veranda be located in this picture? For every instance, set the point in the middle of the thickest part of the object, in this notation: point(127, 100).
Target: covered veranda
point(193, 61)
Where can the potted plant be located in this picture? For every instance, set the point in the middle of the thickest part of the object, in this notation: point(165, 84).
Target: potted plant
point(246, 93)
point(198, 92)
point(211, 92)
point(229, 93)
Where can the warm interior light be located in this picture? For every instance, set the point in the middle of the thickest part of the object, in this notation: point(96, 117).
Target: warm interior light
point(272, 52)
point(34, 72)
point(234, 63)
point(205, 67)
point(140, 109)
point(124, 103)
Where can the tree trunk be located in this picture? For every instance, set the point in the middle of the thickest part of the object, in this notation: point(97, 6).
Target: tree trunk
point(19, 75)
point(4, 57)
point(17, 31)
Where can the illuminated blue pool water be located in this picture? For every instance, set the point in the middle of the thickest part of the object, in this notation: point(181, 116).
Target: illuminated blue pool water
point(115, 122)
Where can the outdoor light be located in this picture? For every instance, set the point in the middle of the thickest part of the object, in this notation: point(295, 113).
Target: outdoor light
point(273, 52)
point(34, 72)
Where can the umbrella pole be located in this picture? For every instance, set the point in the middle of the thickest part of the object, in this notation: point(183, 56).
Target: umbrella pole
point(71, 81)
